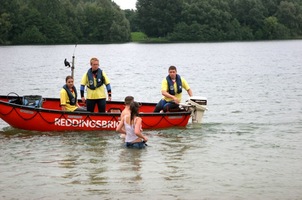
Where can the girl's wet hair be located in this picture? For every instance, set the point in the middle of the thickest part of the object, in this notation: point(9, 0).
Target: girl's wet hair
point(134, 108)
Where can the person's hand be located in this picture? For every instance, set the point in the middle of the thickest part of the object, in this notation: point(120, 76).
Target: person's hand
point(145, 138)
point(109, 98)
point(63, 108)
point(175, 100)
point(83, 100)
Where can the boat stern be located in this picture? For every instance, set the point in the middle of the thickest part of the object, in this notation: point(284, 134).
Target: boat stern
point(197, 105)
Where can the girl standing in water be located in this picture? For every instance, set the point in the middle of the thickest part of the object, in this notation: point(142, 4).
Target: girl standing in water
point(133, 126)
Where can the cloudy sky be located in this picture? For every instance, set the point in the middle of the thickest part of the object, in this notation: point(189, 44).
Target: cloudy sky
point(125, 4)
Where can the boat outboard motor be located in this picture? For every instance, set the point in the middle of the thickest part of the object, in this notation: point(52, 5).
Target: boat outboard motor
point(197, 106)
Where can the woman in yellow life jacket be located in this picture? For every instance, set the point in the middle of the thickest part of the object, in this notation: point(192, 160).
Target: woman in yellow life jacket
point(68, 96)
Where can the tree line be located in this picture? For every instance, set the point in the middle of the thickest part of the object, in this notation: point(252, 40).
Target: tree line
point(62, 22)
point(102, 21)
point(218, 20)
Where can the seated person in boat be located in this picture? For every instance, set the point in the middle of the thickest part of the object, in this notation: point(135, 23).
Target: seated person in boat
point(126, 111)
point(133, 128)
point(171, 89)
point(68, 96)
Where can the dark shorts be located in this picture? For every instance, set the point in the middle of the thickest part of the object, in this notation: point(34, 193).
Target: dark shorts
point(137, 145)
point(101, 103)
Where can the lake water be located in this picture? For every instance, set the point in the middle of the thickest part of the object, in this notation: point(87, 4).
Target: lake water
point(249, 146)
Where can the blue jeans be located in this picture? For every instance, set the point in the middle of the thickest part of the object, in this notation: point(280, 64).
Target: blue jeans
point(165, 106)
point(137, 145)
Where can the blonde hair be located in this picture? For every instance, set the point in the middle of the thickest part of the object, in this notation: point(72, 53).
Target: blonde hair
point(93, 59)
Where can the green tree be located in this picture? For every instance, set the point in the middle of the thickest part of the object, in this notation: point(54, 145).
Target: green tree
point(132, 17)
point(62, 21)
point(157, 17)
point(250, 14)
point(31, 35)
point(290, 14)
point(102, 21)
point(274, 30)
point(5, 27)
point(192, 32)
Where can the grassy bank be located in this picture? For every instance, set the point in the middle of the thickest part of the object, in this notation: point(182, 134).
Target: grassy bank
point(143, 38)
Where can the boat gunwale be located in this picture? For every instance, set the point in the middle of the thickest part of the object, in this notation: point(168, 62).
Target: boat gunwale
point(46, 110)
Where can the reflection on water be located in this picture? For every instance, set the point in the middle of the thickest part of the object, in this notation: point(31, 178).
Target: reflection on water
point(247, 148)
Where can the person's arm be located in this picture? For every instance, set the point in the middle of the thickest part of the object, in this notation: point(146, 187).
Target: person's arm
point(120, 126)
point(122, 129)
point(186, 86)
point(62, 100)
point(165, 93)
point(108, 87)
point(82, 88)
point(137, 129)
point(190, 93)
point(168, 95)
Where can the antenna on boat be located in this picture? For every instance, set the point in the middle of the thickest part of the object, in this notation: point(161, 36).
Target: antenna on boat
point(72, 66)
point(67, 64)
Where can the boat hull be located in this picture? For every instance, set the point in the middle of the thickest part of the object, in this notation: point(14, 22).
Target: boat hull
point(51, 118)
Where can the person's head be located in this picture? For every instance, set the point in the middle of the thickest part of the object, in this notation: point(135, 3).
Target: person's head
point(172, 72)
point(134, 108)
point(69, 81)
point(94, 63)
point(128, 100)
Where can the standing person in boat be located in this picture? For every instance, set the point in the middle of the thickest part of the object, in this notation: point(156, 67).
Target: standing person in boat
point(126, 111)
point(68, 96)
point(133, 127)
point(171, 89)
point(95, 79)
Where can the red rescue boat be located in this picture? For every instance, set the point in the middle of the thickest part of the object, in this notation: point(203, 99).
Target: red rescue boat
point(32, 112)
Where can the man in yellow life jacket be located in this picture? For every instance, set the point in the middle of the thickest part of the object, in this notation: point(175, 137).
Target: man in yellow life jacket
point(95, 79)
point(171, 89)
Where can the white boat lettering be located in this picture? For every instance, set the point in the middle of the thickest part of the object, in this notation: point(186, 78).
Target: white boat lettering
point(85, 123)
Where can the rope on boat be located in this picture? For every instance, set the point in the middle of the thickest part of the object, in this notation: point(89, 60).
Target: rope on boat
point(63, 116)
point(163, 118)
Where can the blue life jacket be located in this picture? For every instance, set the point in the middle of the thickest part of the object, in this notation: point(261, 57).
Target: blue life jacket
point(99, 79)
point(171, 85)
point(72, 99)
